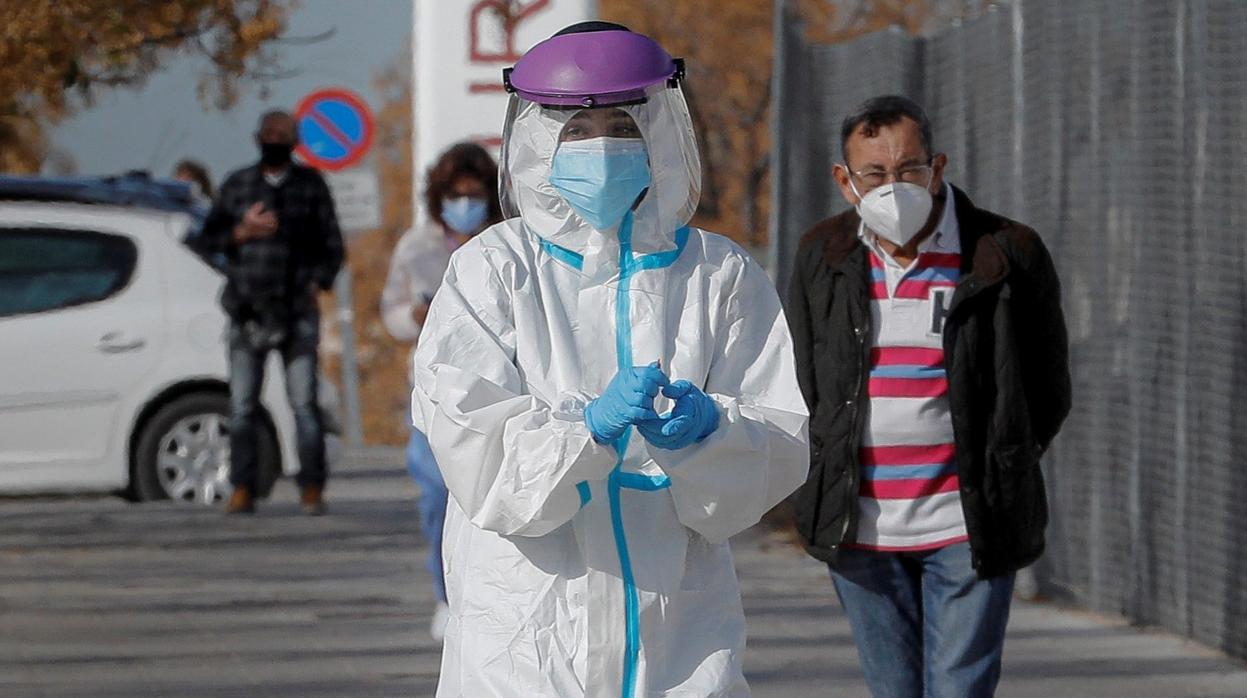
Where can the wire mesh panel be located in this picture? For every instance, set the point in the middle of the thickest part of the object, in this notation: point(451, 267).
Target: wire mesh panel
point(1115, 128)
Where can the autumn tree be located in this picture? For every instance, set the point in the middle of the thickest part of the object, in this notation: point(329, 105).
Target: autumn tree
point(55, 55)
point(728, 45)
point(384, 378)
point(836, 21)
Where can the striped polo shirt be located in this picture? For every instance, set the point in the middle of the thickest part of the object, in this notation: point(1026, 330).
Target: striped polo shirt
point(910, 495)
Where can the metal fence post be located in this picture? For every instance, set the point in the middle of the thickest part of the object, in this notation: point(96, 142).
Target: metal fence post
point(350, 370)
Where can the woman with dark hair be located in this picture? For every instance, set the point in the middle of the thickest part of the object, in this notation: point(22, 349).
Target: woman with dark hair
point(196, 175)
point(461, 190)
point(461, 196)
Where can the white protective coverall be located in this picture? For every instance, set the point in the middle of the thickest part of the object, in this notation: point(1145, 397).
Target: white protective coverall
point(573, 570)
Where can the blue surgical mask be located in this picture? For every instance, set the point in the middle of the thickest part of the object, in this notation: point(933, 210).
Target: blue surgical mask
point(465, 214)
point(601, 178)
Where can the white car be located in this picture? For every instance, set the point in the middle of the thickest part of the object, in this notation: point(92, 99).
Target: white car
point(113, 370)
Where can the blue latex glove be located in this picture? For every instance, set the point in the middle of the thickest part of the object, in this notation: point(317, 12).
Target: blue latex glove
point(694, 417)
point(627, 400)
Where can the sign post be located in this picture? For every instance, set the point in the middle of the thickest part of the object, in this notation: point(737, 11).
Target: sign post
point(335, 134)
point(356, 198)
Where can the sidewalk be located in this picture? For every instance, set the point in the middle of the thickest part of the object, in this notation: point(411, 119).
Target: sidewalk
point(103, 598)
point(800, 644)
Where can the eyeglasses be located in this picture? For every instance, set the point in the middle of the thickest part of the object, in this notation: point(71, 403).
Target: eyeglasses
point(914, 174)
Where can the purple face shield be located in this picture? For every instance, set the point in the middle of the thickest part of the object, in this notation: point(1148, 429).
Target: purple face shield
point(598, 65)
point(592, 69)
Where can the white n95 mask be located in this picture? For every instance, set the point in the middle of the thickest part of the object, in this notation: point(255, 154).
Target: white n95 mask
point(895, 212)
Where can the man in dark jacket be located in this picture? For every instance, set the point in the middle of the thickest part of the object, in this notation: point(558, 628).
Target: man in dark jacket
point(932, 353)
point(274, 234)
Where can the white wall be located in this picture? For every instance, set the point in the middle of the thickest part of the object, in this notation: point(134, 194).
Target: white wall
point(459, 50)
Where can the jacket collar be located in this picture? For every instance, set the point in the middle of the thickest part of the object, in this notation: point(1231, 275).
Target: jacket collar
point(987, 265)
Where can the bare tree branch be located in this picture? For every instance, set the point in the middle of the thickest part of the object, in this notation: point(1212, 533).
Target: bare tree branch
point(306, 40)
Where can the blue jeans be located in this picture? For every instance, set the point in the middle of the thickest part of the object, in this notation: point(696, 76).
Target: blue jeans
point(246, 378)
point(925, 625)
point(433, 494)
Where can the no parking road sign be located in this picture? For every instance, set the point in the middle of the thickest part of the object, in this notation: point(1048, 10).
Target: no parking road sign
point(335, 129)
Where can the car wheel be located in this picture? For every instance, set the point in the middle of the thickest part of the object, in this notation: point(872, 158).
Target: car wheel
point(183, 452)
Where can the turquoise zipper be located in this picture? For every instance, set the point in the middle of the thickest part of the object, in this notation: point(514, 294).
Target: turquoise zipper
point(628, 265)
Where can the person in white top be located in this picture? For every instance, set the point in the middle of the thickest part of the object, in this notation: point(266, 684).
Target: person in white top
point(461, 198)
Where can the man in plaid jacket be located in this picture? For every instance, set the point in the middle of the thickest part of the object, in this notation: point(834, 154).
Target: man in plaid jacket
point(273, 232)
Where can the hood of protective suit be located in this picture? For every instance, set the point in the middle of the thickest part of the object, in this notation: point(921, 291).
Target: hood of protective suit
point(531, 139)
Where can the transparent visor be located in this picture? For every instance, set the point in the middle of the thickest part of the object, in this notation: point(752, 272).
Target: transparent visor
point(533, 134)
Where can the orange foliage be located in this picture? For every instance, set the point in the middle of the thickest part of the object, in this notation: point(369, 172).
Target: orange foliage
point(728, 48)
point(726, 45)
point(55, 51)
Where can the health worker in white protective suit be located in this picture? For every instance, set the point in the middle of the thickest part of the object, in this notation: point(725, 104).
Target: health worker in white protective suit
point(610, 395)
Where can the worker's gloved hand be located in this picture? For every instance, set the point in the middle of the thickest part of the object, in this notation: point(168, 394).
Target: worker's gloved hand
point(628, 399)
point(694, 417)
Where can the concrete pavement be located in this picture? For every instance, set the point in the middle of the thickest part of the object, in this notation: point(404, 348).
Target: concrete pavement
point(103, 598)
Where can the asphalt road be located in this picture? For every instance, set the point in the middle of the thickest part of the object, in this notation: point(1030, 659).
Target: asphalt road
point(103, 598)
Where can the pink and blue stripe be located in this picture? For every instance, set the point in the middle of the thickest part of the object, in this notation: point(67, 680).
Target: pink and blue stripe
point(908, 472)
point(907, 372)
point(933, 270)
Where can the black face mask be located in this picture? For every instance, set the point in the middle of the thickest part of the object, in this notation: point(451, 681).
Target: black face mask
point(275, 154)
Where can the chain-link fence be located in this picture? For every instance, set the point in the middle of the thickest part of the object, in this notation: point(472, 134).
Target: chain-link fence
point(1117, 129)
